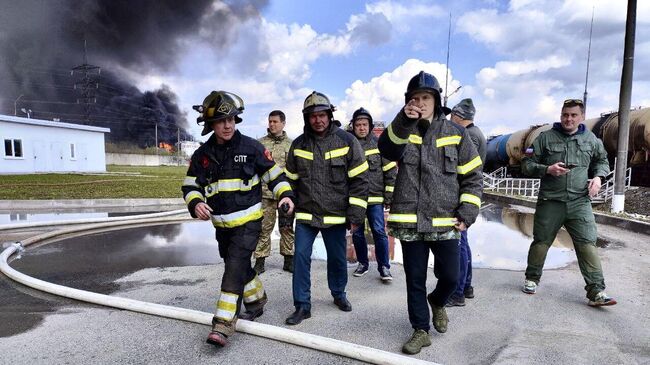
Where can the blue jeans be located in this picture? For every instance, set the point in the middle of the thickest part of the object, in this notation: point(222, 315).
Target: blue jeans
point(337, 269)
point(375, 214)
point(465, 276)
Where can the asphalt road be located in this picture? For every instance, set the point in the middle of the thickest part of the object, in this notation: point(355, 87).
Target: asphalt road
point(501, 325)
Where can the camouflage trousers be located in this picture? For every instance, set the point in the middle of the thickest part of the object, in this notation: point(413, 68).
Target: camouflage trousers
point(287, 237)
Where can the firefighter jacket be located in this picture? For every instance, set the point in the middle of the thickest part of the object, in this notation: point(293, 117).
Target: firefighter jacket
point(278, 146)
point(228, 178)
point(381, 172)
point(439, 175)
point(329, 178)
point(582, 149)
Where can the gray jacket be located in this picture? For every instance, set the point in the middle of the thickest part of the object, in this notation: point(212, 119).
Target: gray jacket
point(478, 139)
point(439, 175)
point(381, 172)
point(329, 175)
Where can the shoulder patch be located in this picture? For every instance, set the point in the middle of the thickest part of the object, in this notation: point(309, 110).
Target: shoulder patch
point(268, 154)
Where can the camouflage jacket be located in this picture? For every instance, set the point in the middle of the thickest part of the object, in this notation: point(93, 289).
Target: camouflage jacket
point(279, 148)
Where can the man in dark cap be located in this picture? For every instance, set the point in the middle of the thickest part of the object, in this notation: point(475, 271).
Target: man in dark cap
point(463, 115)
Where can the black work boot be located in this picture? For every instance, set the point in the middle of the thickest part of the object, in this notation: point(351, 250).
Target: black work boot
point(288, 264)
point(259, 265)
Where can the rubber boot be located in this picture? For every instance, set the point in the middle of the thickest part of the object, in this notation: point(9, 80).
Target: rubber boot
point(288, 264)
point(259, 265)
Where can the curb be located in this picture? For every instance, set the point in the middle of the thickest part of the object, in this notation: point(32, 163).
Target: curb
point(87, 203)
point(601, 218)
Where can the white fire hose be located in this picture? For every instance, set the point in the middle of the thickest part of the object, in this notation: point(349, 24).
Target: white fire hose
point(325, 344)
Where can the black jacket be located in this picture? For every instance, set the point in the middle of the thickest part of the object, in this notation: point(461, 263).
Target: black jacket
point(439, 175)
point(381, 172)
point(329, 178)
point(228, 178)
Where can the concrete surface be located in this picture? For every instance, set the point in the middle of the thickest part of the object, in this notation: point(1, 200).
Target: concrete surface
point(501, 325)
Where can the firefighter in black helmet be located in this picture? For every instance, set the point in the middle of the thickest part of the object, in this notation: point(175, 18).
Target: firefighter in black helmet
point(437, 195)
point(381, 181)
point(327, 169)
point(223, 184)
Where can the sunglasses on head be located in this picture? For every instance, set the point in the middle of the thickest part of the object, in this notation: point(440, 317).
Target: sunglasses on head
point(573, 101)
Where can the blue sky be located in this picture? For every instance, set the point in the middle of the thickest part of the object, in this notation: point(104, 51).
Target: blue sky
point(516, 59)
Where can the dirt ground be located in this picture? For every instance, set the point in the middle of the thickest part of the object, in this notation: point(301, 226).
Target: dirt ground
point(637, 201)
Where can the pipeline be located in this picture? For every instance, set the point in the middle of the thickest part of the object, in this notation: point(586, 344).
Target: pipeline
point(320, 343)
point(8, 227)
point(508, 150)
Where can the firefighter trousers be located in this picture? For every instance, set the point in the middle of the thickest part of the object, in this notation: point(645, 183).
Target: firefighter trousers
point(239, 282)
point(287, 236)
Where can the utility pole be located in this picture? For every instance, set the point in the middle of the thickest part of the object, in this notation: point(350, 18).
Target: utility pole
point(16, 103)
point(156, 136)
point(447, 65)
point(87, 85)
point(625, 96)
point(591, 29)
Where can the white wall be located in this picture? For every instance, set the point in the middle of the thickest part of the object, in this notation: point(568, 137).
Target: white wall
point(47, 149)
point(128, 159)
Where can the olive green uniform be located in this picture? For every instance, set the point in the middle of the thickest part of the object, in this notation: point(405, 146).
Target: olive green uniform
point(564, 200)
point(278, 146)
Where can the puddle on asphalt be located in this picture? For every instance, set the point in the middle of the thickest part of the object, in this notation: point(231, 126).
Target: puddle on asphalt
point(499, 239)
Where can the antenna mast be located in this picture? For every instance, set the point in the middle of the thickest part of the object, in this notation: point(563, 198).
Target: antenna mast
point(591, 29)
point(447, 65)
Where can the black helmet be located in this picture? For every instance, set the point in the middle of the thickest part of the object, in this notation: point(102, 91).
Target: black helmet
point(424, 82)
point(317, 102)
point(362, 113)
point(216, 106)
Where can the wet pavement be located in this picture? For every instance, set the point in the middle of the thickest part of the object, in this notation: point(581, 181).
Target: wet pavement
point(499, 240)
point(178, 264)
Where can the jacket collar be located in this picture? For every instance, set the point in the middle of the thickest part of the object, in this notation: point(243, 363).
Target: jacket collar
point(279, 138)
point(558, 127)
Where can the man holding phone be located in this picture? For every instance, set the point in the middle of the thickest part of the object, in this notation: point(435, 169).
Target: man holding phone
point(564, 157)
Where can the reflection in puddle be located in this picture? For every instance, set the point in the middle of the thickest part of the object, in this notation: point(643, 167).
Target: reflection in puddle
point(499, 239)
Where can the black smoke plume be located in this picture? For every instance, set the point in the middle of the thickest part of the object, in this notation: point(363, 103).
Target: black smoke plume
point(42, 41)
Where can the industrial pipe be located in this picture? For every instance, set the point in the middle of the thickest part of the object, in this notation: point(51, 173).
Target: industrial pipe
point(347, 349)
point(7, 227)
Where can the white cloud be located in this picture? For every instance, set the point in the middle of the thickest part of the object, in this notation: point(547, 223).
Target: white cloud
point(383, 95)
point(543, 49)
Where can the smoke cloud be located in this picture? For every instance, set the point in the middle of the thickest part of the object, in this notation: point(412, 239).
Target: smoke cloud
point(42, 41)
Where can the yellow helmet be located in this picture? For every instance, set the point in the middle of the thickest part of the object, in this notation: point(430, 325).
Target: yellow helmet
point(317, 102)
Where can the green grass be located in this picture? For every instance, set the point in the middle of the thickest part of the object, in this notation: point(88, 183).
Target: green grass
point(119, 182)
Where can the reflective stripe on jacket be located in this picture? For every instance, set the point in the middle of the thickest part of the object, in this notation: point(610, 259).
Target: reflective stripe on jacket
point(381, 172)
point(228, 178)
point(439, 176)
point(329, 178)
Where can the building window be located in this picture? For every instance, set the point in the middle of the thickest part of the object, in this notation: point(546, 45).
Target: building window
point(13, 148)
point(72, 152)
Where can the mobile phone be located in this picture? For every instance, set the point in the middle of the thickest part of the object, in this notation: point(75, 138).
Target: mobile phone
point(569, 165)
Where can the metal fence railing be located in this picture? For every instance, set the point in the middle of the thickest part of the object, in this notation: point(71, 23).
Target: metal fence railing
point(497, 181)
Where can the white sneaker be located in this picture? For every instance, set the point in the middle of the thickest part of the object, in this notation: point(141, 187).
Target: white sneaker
point(530, 287)
point(602, 299)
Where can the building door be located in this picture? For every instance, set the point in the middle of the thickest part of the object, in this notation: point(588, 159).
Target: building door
point(40, 157)
point(56, 156)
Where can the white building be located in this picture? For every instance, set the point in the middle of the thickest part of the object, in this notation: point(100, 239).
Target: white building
point(188, 147)
point(35, 145)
